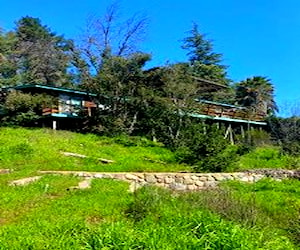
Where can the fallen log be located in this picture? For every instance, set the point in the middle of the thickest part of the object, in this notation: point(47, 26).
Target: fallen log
point(103, 160)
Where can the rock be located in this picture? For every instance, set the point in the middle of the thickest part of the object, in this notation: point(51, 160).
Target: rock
point(150, 178)
point(84, 184)
point(98, 176)
point(106, 161)
point(160, 180)
point(119, 176)
point(188, 181)
point(199, 183)
point(219, 177)
point(24, 181)
point(191, 187)
point(131, 177)
point(177, 186)
point(73, 154)
point(179, 179)
point(210, 184)
point(108, 176)
point(169, 180)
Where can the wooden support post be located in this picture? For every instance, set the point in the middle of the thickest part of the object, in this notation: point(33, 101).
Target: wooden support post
point(231, 134)
point(226, 133)
point(242, 131)
point(204, 128)
point(54, 125)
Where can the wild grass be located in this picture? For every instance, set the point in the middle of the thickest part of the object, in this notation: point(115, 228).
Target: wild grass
point(45, 215)
point(268, 157)
point(268, 204)
point(107, 216)
point(40, 149)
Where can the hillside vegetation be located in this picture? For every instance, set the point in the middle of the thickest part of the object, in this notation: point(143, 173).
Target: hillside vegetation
point(41, 149)
point(45, 215)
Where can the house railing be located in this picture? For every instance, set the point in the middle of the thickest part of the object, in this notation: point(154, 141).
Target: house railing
point(229, 111)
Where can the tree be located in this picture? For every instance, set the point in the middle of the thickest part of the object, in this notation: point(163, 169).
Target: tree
point(120, 84)
point(8, 59)
point(200, 50)
point(110, 65)
point(109, 36)
point(204, 62)
point(43, 56)
point(256, 93)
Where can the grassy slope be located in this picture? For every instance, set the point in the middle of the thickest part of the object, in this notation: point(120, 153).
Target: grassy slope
point(268, 157)
point(44, 215)
point(39, 149)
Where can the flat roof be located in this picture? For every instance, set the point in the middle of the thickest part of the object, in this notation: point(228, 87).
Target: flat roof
point(58, 89)
point(220, 104)
point(228, 119)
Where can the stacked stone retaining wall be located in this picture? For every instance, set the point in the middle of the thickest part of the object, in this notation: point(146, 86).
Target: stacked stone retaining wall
point(175, 181)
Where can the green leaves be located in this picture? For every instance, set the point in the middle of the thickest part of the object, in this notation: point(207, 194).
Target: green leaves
point(256, 93)
point(200, 49)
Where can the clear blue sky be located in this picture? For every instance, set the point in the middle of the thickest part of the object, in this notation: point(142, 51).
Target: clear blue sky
point(256, 37)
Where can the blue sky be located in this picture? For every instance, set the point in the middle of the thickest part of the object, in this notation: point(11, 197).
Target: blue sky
point(256, 37)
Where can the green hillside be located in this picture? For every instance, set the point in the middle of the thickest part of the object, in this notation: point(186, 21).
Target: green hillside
point(46, 215)
point(41, 149)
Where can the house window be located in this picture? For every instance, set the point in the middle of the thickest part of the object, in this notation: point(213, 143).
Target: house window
point(70, 105)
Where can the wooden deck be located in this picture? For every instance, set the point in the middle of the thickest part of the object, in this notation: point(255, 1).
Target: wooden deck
point(215, 109)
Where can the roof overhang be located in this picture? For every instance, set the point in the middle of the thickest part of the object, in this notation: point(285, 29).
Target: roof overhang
point(52, 88)
point(209, 85)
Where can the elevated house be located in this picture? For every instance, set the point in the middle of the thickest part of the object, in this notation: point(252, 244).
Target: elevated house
point(72, 105)
point(69, 107)
point(233, 117)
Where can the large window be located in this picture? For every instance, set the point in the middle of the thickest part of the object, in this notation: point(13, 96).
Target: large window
point(70, 105)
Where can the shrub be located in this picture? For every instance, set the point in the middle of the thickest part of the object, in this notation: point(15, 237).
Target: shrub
point(286, 132)
point(23, 109)
point(205, 147)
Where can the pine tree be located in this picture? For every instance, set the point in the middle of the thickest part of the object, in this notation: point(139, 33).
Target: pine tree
point(43, 56)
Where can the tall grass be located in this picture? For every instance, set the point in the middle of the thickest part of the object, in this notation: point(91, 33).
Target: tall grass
point(268, 204)
point(108, 217)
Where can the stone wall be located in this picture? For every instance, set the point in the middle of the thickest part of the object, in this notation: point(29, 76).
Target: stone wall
point(176, 181)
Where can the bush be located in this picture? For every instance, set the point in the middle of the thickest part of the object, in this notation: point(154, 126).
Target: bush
point(205, 147)
point(24, 109)
point(286, 132)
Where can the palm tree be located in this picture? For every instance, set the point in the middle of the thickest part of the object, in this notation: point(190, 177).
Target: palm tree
point(256, 93)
